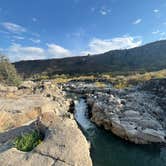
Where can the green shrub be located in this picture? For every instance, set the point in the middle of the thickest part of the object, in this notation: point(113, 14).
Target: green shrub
point(28, 142)
point(8, 73)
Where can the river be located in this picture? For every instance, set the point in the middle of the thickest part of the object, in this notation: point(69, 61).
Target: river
point(109, 150)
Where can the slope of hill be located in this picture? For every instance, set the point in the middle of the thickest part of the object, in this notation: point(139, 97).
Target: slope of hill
point(149, 57)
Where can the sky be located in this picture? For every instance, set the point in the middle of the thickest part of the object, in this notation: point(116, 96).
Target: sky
point(44, 29)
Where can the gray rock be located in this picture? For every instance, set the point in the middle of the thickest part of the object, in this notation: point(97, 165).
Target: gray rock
point(141, 119)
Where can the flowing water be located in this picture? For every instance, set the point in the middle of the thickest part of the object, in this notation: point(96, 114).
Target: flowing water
point(109, 150)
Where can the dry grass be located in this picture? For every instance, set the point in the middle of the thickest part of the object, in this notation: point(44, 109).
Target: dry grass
point(118, 81)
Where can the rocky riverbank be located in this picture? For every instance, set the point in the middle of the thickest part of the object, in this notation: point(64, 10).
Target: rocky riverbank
point(136, 114)
point(44, 107)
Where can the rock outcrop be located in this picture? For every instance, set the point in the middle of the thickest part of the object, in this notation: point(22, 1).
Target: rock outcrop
point(42, 106)
point(18, 107)
point(137, 115)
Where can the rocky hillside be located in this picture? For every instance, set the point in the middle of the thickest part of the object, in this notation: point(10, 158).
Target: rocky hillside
point(145, 58)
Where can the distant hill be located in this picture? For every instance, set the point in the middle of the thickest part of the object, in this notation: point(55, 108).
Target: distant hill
point(149, 57)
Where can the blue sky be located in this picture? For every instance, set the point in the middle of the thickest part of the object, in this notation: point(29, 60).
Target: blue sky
point(42, 29)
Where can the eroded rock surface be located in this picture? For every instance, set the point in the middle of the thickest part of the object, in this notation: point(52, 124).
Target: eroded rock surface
point(137, 114)
point(42, 106)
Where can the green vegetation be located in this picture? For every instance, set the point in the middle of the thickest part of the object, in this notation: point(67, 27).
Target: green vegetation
point(8, 73)
point(28, 142)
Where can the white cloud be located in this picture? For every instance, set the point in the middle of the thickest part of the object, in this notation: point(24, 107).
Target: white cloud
point(13, 28)
point(18, 37)
point(97, 46)
point(4, 32)
point(36, 41)
point(17, 52)
point(156, 32)
point(162, 35)
point(57, 51)
point(137, 21)
point(104, 11)
point(156, 10)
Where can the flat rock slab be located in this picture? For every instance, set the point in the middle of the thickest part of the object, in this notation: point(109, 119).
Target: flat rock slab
point(64, 145)
point(16, 112)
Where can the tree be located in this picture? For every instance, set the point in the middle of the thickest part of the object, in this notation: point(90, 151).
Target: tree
point(8, 73)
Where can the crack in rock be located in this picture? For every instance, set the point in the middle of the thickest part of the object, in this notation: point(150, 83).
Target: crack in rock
point(55, 159)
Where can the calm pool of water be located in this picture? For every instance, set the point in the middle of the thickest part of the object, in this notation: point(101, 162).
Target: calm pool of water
point(109, 150)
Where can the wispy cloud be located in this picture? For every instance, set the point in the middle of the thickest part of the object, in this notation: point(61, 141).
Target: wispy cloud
point(4, 32)
point(97, 46)
point(13, 28)
point(17, 32)
point(156, 10)
point(138, 21)
point(18, 37)
point(104, 11)
point(160, 34)
point(156, 32)
point(36, 41)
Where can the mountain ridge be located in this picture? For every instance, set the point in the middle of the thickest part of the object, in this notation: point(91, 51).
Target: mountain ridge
point(149, 57)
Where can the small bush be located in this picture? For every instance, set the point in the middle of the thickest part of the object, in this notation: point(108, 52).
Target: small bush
point(28, 142)
point(8, 73)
